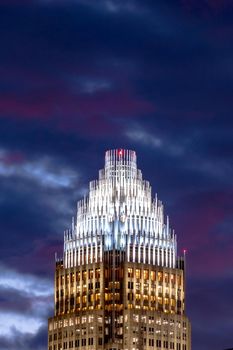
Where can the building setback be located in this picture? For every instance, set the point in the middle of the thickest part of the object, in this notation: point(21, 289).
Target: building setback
point(120, 283)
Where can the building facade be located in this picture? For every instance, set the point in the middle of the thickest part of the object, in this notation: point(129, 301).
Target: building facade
point(120, 283)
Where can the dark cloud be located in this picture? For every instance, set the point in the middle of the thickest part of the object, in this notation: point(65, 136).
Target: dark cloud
point(11, 300)
point(80, 77)
point(207, 292)
point(25, 341)
point(25, 303)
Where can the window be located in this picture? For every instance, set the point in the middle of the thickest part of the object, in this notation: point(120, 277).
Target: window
point(138, 273)
point(151, 342)
point(130, 272)
point(130, 285)
point(160, 277)
point(84, 275)
point(97, 273)
point(152, 275)
point(130, 296)
point(146, 274)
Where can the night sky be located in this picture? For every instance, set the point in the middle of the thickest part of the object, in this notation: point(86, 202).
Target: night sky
point(80, 77)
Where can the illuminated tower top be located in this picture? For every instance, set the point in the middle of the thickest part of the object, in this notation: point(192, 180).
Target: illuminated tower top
point(120, 213)
point(120, 164)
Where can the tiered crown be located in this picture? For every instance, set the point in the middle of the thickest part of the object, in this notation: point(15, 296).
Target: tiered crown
point(119, 213)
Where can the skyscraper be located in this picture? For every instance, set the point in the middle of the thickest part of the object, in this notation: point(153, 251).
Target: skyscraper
point(120, 283)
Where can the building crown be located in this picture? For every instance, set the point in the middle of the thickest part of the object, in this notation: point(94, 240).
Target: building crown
point(120, 213)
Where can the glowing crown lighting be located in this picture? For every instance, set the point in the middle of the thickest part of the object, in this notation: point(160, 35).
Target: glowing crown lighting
point(120, 213)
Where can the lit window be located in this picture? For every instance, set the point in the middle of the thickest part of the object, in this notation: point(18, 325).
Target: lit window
point(146, 274)
point(130, 272)
point(152, 275)
point(138, 273)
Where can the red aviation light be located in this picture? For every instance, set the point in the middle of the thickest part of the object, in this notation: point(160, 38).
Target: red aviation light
point(120, 152)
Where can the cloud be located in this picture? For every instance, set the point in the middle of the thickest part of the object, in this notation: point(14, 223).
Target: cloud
point(144, 138)
point(41, 171)
point(153, 141)
point(10, 323)
point(38, 199)
point(201, 219)
point(221, 170)
point(25, 301)
point(79, 77)
point(111, 6)
point(25, 341)
point(206, 293)
point(25, 283)
point(214, 5)
point(90, 85)
point(119, 6)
